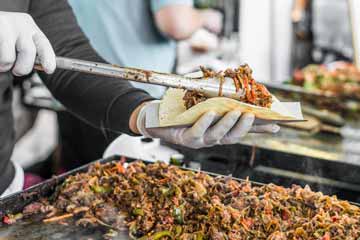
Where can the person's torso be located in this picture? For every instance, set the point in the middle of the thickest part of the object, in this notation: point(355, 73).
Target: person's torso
point(124, 33)
point(331, 26)
point(7, 134)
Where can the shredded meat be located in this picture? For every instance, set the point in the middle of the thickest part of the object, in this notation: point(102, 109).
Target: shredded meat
point(159, 201)
point(192, 98)
point(255, 93)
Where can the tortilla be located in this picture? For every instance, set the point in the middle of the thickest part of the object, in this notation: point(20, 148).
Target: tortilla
point(172, 111)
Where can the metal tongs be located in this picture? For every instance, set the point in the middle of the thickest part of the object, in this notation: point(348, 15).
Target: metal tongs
point(207, 86)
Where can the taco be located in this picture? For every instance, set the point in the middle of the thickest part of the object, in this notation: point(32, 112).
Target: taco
point(183, 107)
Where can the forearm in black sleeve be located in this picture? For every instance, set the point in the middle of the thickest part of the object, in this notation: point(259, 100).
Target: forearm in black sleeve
point(106, 103)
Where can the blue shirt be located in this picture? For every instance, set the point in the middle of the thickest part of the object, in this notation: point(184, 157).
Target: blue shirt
point(124, 33)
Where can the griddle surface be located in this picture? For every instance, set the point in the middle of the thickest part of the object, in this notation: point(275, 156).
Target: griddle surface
point(41, 231)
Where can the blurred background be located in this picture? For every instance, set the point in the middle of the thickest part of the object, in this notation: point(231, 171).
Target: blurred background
point(303, 50)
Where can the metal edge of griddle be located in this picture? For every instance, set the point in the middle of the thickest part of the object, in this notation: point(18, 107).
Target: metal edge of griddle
point(16, 202)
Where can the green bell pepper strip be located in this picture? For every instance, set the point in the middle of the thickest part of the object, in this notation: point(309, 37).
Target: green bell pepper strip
point(158, 236)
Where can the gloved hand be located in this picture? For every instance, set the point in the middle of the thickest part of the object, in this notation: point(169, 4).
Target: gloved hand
point(230, 129)
point(212, 20)
point(20, 41)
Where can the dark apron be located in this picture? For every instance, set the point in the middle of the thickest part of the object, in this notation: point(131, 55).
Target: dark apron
point(7, 133)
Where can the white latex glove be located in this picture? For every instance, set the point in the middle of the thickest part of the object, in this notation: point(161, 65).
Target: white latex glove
point(212, 20)
point(230, 129)
point(20, 41)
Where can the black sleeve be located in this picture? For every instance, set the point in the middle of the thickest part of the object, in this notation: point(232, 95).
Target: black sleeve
point(105, 103)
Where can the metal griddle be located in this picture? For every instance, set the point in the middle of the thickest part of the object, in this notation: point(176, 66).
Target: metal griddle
point(34, 230)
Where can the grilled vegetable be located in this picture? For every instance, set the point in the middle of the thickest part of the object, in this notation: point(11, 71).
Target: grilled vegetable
point(339, 79)
point(166, 202)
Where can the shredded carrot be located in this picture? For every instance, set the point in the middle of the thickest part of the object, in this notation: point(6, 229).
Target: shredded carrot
point(248, 94)
point(326, 237)
point(58, 218)
point(253, 94)
point(246, 82)
point(120, 168)
point(164, 180)
point(247, 223)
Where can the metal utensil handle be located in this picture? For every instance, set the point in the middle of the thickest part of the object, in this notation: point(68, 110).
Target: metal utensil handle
point(98, 69)
point(144, 76)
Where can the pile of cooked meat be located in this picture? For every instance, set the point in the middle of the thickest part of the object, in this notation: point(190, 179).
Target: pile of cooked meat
point(343, 79)
point(255, 93)
point(158, 201)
